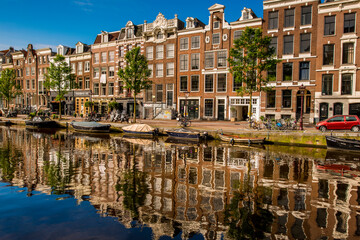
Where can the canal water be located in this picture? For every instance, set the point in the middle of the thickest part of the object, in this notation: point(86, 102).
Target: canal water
point(73, 186)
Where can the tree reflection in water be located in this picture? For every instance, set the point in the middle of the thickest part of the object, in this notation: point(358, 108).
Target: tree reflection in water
point(134, 187)
point(9, 160)
point(245, 215)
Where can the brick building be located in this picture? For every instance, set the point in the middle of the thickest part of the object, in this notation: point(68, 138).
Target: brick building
point(292, 25)
point(206, 89)
point(338, 73)
point(160, 47)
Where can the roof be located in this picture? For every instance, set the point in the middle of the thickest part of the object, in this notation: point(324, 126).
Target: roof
point(113, 36)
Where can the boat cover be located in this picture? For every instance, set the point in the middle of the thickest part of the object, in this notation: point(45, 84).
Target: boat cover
point(88, 124)
point(138, 128)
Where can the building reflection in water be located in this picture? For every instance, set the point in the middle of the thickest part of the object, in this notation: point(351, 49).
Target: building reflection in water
point(217, 191)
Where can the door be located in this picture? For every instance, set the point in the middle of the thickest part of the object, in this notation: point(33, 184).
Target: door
point(221, 109)
point(191, 107)
point(336, 123)
point(354, 109)
point(324, 111)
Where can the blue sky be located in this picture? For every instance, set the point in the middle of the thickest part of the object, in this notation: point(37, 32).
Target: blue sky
point(48, 23)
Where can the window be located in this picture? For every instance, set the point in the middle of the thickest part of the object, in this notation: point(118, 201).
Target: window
point(305, 42)
point(348, 53)
point(221, 59)
point(328, 55)
point(195, 61)
point(209, 60)
point(338, 110)
point(159, 92)
point(103, 71)
point(87, 66)
point(271, 74)
point(237, 34)
point(28, 84)
point(287, 71)
point(304, 71)
point(80, 68)
point(111, 89)
point(170, 51)
point(184, 62)
point(169, 69)
point(289, 17)
point(87, 83)
point(270, 99)
point(216, 25)
point(236, 84)
point(184, 43)
point(151, 67)
point(96, 58)
point(159, 70)
point(160, 52)
point(273, 20)
point(273, 44)
point(80, 83)
point(129, 33)
point(286, 98)
point(209, 83)
point(96, 72)
point(349, 118)
point(160, 35)
point(329, 25)
point(148, 94)
point(336, 119)
point(209, 105)
point(288, 44)
point(33, 84)
point(111, 56)
point(32, 70)
point(72, 65)
point(195, 42)
point(121, 51)
point(111, 71)
point(103, 57)
point(221, 82)
point(326, 88)
point(96, 88)
point(149, 53)
point(183, 84)
point(194, 86)
point(216, 38)
point(346, 84)
point(27, 71)
point(306, 15)
point(121, 87)
point(169, 94)
point(349, 22)
point(103, 89)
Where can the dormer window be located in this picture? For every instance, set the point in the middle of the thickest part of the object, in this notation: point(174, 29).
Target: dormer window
point(190, 22)
point(79, 49)
point(245, 15)
point(159, 35)
point(104, 37)
point(60, 51)
point(216, 25)
point(129, 33)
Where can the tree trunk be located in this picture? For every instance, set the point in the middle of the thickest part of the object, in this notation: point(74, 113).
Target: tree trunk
point(59, 109)
point(250, 110)
point(134, 107)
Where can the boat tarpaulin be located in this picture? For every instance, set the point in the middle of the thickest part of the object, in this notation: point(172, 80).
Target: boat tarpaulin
point(138, 128)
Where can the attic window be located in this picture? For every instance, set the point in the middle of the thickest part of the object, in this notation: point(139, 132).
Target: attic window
point(79, 49)
point(129, 33)
point(59, 52)
point(190, 24)
point(159, 35)
point(216, 25)
point(104, 38)
point(245, 15)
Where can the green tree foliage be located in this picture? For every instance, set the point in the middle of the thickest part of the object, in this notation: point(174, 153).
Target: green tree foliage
point(114, 105)
point(250, 57)
point(59, 79)
point(8, 87)
point(136, 74)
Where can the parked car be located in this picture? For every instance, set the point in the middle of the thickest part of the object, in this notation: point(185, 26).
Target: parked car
point(340, 122)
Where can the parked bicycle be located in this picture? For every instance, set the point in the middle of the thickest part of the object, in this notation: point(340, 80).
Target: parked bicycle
point(183, 121)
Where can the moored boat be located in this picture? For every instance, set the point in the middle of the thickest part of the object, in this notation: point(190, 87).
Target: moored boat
point(239, 140)
point(5, 123)
point(41, 122)
point(139, 130)
point(93, 127)
point(342, 143)
point(183, 133)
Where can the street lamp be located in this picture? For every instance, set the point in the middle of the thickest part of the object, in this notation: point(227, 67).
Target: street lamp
point(302, 90)
point(186, 110)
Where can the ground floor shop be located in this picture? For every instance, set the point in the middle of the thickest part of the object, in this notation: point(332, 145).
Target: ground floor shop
point(328, 107)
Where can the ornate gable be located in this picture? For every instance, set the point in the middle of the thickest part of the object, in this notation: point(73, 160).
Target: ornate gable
point(160, 21)
point(216, 7)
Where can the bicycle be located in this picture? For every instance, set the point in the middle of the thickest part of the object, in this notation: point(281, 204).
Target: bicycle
point(183, 121)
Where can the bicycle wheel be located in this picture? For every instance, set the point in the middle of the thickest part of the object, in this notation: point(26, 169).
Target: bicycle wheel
point(187, 123)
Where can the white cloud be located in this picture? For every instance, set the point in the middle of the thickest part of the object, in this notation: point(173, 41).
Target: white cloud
point(85, 5)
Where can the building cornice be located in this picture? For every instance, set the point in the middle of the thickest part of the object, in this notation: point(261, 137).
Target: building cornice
point(270, 4)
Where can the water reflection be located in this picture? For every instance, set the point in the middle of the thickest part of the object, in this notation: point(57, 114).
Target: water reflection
point(181, 190)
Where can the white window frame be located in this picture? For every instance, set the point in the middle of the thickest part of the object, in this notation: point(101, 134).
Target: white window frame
point(160, 52)
point(150, 53)
point(170, 69)
point(159, 70)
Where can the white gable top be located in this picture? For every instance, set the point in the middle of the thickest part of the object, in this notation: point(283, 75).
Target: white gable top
point(216, 7)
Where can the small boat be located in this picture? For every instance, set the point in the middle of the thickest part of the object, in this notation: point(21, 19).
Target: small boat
point(92, 127)
point(183, 133)
point(41, 122)
point(342, 143)
point(238, 140)
point(5, 123)
point(140, 130)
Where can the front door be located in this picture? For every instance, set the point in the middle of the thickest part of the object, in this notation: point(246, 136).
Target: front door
point(221, 109)
point(354, 109)
point(324, 111)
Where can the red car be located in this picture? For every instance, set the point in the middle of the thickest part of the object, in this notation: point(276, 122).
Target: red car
point(340, 122)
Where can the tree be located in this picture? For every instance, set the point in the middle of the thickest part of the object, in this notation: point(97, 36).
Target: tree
point(250, 57)
point(59, 78)
point(136, 74)
point(8, 87)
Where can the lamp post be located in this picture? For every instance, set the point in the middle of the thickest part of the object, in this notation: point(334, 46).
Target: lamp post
point(186, 110)
point(302, 92)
